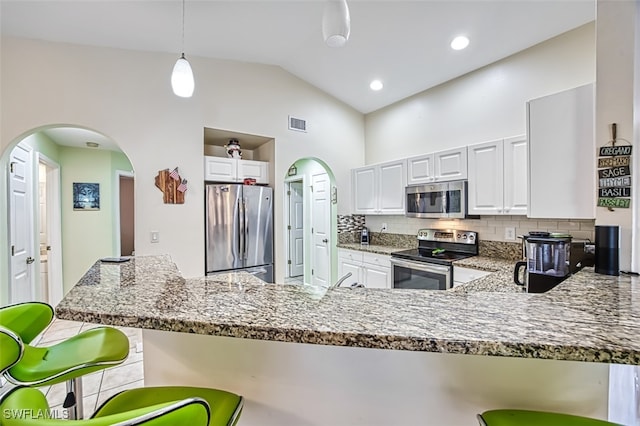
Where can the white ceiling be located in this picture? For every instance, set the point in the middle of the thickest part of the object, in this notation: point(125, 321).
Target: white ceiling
point(78, 138)
point(403, 43)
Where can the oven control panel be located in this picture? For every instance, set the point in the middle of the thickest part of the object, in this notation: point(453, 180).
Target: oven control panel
point(448, 235)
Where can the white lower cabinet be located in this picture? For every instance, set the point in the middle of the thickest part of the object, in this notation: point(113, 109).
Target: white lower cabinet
point(372, 270)
point(464, 275)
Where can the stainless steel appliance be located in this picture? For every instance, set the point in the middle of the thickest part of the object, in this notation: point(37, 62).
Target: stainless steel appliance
point(547, 263)
point(437, 200)
point(239, 229)
point(430, 266)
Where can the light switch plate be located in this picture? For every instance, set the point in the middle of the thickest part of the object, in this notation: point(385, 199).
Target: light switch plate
point(155, 237)
point(510, 233)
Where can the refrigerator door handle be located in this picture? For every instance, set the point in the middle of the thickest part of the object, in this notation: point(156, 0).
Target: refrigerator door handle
point(241, 239)
point(246, 228)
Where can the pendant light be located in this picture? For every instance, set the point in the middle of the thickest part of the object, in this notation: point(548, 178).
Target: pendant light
point(336, 23)
point(182, 76)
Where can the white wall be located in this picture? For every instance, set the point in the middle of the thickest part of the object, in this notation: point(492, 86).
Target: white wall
point(614, 104)
point(483, 105)
point(486, 104)
point(126, 95)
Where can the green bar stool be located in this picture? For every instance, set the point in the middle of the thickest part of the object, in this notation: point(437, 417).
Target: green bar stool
point(536, 418)
point(67, 361)
point(160, 406)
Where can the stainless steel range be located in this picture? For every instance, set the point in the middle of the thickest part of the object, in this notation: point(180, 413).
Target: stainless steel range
point(430, 266)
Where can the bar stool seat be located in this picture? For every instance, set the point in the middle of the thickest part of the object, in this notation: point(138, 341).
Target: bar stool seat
point(67, 361)
point(159, 406)
point(85, 353)
point(536, 418)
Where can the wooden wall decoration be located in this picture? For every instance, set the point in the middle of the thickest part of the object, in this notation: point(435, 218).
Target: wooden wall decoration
point(614, 173)
point(172, 186)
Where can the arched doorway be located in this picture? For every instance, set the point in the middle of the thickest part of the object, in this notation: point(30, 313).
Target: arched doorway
point(57, 237)
point(310, 218)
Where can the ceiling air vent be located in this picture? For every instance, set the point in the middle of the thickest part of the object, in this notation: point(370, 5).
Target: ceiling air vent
point(297, 124)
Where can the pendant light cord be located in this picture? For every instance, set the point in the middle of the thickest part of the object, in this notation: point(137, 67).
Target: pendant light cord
point(182, 50)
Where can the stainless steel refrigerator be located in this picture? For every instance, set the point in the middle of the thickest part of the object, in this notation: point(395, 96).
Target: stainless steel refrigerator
point(239, 229)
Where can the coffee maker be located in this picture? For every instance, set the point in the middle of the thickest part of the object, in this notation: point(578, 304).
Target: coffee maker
point(364, 236)
point(547, 261)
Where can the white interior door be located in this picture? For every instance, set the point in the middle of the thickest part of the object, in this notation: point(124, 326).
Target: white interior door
point(22, 287)
point(321, 229)
point(296, 229)
point(53, 225)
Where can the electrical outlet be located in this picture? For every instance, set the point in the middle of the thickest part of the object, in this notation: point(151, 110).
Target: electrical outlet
point(155, 237)
point(510, 233)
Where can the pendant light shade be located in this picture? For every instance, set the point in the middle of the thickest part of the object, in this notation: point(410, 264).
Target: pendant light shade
point(336, 23)
point(182, 81)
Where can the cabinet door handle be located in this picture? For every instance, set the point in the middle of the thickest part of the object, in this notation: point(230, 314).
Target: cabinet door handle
point(324, 240)
point(30, 260)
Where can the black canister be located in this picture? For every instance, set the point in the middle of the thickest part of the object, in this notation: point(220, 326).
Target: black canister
point(606, 256)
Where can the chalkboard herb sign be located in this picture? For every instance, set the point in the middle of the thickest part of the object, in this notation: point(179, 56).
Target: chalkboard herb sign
point(620, 181)
point(614, 202)
point(613, 151)
point(614, 192)
point(614, 173)
point(614, 161)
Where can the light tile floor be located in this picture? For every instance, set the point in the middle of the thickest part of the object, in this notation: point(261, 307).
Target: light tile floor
point(98, 386)
point(294, 280)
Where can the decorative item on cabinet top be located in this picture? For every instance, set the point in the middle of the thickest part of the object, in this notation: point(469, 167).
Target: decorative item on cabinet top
point(614, 173)
point(172, 186)
point(233, 149)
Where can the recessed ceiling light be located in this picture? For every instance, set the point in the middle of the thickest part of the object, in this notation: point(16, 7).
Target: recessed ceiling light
point(376, 85)
point(459, 43)
point(93, 144)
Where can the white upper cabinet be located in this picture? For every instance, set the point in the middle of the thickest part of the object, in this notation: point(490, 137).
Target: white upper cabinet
point(379, 189)
point(498, 177)
point(365, 189)
point(451, 164)
point(562, 154)
point(486, 178)
point(420, 169)
point(516, 186)
point(221, 169)
point(441, 166)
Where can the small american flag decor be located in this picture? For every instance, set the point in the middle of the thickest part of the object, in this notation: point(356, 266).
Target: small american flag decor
point(183, 186)
point(174, 174)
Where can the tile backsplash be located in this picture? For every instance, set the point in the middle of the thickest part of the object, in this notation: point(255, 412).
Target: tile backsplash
point(489, 228)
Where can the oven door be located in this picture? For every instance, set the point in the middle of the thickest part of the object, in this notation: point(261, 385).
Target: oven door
point(420, 275)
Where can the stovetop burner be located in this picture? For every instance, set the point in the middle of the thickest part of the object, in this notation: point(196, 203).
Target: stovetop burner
point(441, 246)
point(425, 255)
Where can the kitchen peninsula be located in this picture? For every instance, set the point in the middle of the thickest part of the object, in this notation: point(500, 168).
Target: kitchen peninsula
point(308, 356)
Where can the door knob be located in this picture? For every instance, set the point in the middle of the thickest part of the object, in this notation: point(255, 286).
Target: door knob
point(325, 240)
point(30, 260)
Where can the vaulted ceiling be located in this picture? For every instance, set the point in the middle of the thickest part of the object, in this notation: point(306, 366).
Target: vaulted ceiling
point(405, 44)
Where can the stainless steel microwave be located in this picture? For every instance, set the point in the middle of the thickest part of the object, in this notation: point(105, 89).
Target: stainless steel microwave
point(437, 200)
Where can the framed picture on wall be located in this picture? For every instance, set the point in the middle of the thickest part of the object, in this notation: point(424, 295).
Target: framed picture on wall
point(86, 196)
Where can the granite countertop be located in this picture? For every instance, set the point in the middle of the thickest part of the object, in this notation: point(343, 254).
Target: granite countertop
point(371, 248)
point(589, 317)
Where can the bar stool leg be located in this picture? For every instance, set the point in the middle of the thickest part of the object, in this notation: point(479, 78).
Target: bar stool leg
point(73, 401)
